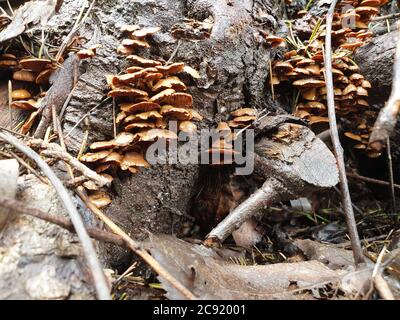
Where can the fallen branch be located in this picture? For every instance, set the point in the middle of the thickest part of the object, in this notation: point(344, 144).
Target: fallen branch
point(337, 148)
point(388, 16)
point(53, 150)
point(95, 233)
point(136, 248)
point(99, 279)
point(387, 118)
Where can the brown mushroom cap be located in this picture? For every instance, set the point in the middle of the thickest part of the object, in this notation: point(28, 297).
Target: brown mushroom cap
point(44, 76)
point(364, 10)
point(143, 106)
point(101, 145)
point(20, 94)
point(135, 43)
point(315, 105)
point(134, 69)
point(283, 67)
point(114, 157)
point(29, 123)
point(274, 41)
point(149, 115)
point(362, 92)
point(188, 127)
point(24, 75)
point(25, 104)
point(366, 84)
point(152, 134)
point(125, 91)
point(244, 112)
point(145, 32)
point(179, 99)
point(6, 64)
point(124, 139)
point(140, 125)
point(100, 199)
point(353, 136)
point(86, 53)
point(176, 113)
point(309, 83)
point(172, 82)
point(159, 97)
point(350, 88)
point(133, 159)
point(195, 115)
point(94, 156)
point(120, 116)
point(142, 61)
point(171, 69)
point(129, 28)
point(244, 119)
point(352, 45)
point(35, 64)
point(192, 72)
point(309, 94)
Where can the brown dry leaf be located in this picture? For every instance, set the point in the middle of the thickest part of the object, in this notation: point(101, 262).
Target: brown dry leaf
point(32, 12)
point(207, 276)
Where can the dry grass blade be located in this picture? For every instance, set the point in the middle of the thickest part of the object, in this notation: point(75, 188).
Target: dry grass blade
point(88, 248)
point(338, 150)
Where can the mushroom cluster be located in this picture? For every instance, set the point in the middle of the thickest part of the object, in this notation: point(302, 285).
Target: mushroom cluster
point(149, 95)
point(31, 76)
point(303, 67)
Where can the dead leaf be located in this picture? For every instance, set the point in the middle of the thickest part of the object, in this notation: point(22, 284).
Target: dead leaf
point(32, 12)
point(333, 257)
point(208, 276)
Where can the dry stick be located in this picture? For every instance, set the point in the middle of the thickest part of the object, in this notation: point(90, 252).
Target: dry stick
point(53, 150)
point(391, 179)
point(88, 248)
point(371, 180)
point(388, 16)
point(337, 148)
point(387, 118)
point(135, 247)
point(380, 284)
point(95, 233)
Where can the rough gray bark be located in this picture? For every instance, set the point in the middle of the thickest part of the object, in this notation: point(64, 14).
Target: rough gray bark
point(39, 260)
point(376, 63)
point(233, 64)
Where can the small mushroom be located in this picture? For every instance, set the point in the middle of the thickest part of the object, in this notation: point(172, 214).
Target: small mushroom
point(142, 61)
point(24, 75)
point(35, 64)
point(188, 127)
point(20, 94)
point(94, 156)
point(143, 106)
point(171, 69)
point(172, 82)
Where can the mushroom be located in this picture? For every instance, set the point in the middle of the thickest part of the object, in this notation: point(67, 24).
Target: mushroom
point(171, 69)
point(309, 83)
point(100, 145)
point(35, 64)
point(145, 32)
point(125, 91)
point(133, 159)
point(149, 115)
point(138, 107)
point(20, 94)
point(188, 127)
point(94, 156)
point(244, 112)
point(142, 61)
point(170, 82)
point(24, 75)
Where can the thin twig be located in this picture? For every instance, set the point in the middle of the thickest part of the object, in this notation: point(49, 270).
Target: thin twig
point(53, 150)
point(135, 247)
point(387, 118)
point(95, 233)
point(338, 150)
point(388, 16)
point(371, 180)
point(99, 279)
point(391, 179)
point(86, 115)
point(174, 53)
